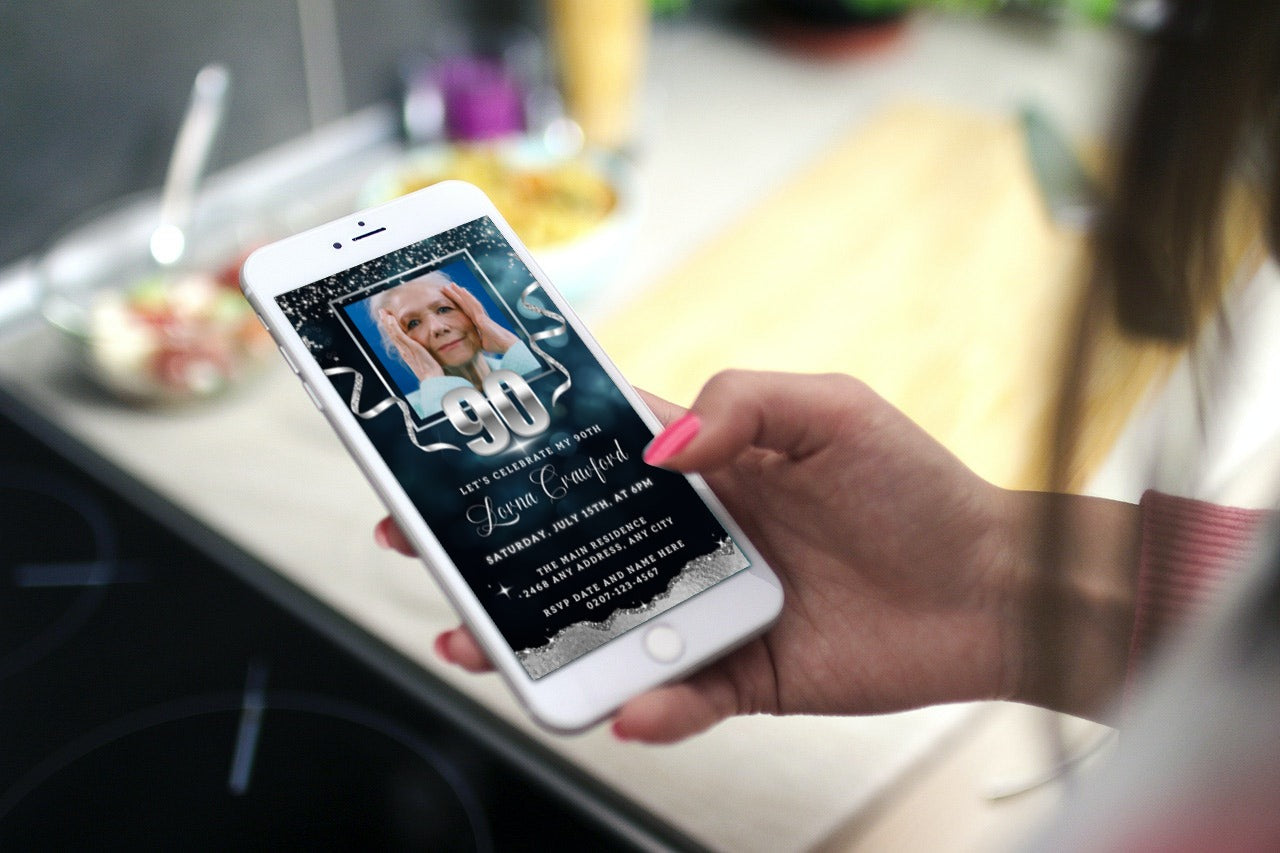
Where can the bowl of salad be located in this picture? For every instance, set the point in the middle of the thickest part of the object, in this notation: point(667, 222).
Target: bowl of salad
point(147, 333)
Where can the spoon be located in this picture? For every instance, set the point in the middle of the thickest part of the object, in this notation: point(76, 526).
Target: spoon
point(190, 155)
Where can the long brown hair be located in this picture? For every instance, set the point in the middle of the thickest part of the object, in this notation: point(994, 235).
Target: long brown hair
point(1205, 124)
point(1207, 113)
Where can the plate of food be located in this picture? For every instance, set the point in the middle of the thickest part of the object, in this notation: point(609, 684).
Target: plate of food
point(578, 214)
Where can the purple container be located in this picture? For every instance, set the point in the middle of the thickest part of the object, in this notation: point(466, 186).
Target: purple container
point(481, 101)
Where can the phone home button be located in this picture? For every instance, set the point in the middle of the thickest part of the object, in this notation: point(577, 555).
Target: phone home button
point(664, 644)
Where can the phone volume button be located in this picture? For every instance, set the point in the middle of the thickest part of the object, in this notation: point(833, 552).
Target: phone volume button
point(288, 360)
point(312, 394)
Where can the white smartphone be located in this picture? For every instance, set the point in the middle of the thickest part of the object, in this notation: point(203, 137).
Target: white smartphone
point(508, 448)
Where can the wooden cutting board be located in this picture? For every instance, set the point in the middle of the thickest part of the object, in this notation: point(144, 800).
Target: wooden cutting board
point(917, 255)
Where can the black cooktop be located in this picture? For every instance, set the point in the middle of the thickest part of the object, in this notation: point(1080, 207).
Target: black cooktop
point(161, 690)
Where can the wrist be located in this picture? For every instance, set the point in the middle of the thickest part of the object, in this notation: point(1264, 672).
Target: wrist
point(1069, 613)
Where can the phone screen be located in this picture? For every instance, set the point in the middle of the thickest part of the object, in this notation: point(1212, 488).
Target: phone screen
point(512, 442)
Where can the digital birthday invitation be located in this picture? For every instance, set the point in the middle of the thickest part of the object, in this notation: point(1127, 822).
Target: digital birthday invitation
point(512, 442)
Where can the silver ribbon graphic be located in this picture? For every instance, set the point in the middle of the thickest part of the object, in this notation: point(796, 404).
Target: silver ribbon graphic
point(354, 403)
point(543, 335)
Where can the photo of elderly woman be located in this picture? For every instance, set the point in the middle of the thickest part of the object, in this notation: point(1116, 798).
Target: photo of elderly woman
point(441, 332)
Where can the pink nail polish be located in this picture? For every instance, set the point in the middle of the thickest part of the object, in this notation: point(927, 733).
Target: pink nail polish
point(673, 439)
point(441, 647)
point(380, 537)
point(617, 732)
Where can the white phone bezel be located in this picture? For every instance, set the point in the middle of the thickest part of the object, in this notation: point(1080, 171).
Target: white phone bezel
point(586, 690)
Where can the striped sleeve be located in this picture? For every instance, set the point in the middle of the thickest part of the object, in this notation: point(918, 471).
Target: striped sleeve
point(1189, 548)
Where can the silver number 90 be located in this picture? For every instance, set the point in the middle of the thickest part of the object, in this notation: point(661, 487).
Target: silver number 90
point(508, 405)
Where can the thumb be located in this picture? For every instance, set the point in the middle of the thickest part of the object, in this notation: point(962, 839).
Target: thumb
point(792, 414)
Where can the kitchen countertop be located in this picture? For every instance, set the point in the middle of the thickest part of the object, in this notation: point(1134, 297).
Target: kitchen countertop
point(261, 468)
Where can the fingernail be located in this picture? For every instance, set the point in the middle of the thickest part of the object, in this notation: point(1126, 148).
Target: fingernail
point(673, 439)
point(380, 537)
point(618, 734)
point(441, 647)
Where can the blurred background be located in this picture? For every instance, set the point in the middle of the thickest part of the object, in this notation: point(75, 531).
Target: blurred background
point(93, 94)
point(568, 113)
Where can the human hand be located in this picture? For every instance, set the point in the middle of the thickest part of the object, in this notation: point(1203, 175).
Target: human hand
point(413, 354)
point(895, 559)
point(494, 337)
